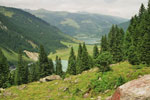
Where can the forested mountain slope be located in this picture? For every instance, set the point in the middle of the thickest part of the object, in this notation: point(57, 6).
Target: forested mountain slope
point(124, 25)
point(19, 29)
point(79, 24)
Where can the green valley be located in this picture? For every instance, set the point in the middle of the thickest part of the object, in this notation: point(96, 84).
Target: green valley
point(28, 32)
point(80, 23)
point(59, 55)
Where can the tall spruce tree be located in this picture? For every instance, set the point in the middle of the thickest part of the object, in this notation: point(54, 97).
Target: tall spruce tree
point(4, 71)
point(145, 51)
point(115, 43)
point(20, 70)
point(72, 63)
point(85, 59)
point(95, 52)
point(51, 66)
point(79, 61)
point(44, 65)
point(58, 66)
point(126, 44)
point(118, 54)
point(104, 44)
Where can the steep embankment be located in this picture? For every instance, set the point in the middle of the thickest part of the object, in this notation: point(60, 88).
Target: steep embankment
point(85, 86)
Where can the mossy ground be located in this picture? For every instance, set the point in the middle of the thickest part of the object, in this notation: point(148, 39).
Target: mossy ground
point(74, 87)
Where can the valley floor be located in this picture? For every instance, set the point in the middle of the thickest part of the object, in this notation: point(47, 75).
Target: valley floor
point(64, 53)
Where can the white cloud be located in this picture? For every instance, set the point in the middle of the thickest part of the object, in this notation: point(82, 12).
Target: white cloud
point(122, 8)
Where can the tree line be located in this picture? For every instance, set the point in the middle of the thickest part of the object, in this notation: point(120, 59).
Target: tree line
point(24, 72)
point(134, 45)
point(83, 61)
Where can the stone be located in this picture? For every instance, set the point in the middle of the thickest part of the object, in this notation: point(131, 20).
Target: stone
point(99, 98)
point(7, 93)
point(2, 90)
point(22, 87)
point(67, 79)
point(56, 83)
point(50, 78)
point(108, 98)
point(76, 81)
point(65, 89)
point(86, 95)
point(138, 89)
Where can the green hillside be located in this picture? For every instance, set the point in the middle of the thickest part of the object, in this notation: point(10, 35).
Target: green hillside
point(12, 56)
point(74, 87)
point(19, 29)
point(79, 24)
point(124, 25)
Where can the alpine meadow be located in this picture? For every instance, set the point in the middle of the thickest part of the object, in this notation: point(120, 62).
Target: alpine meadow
point(75, 50)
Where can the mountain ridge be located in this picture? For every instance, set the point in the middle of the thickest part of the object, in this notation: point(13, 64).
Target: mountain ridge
point(28, 30)
point(78, 24)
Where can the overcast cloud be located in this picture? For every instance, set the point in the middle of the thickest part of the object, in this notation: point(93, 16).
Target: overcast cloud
point(121, 8)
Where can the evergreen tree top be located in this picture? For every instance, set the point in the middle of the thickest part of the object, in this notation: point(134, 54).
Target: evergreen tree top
point(84, 47)
point(142, 10)
point(148, 6)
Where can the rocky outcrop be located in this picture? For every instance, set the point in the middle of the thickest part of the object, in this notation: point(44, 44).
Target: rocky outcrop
point(138, 89)
point(50, 78)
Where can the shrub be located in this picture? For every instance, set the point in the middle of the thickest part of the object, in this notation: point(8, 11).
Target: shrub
point(103, 61)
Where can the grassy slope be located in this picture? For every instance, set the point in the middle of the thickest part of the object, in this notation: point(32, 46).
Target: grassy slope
point(12, 56)
point(64, 53)
point(54, 90)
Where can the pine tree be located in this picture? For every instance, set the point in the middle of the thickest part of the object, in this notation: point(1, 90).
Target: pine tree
point(118, 53)
point(111, 38)
point(148, 6)
point(51, 66)
point(58, 66)
point(19, 69)
point(104, 44)
point(72, 63)
point(126, 44)
point(79, 61)
point(44, 65)
point(25, 73)
point(95, 52)
point(85, 59)
point(142, 10)
point(115, 43)
point(145, 51)
point(133, 58)
point(4, 71)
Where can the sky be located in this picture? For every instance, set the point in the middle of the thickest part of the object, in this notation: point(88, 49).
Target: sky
point(120, 8)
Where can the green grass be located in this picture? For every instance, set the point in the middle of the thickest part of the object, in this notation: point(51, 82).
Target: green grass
point(64, 53)
point(12, 56)
point(54, 90)
point(70, 22)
